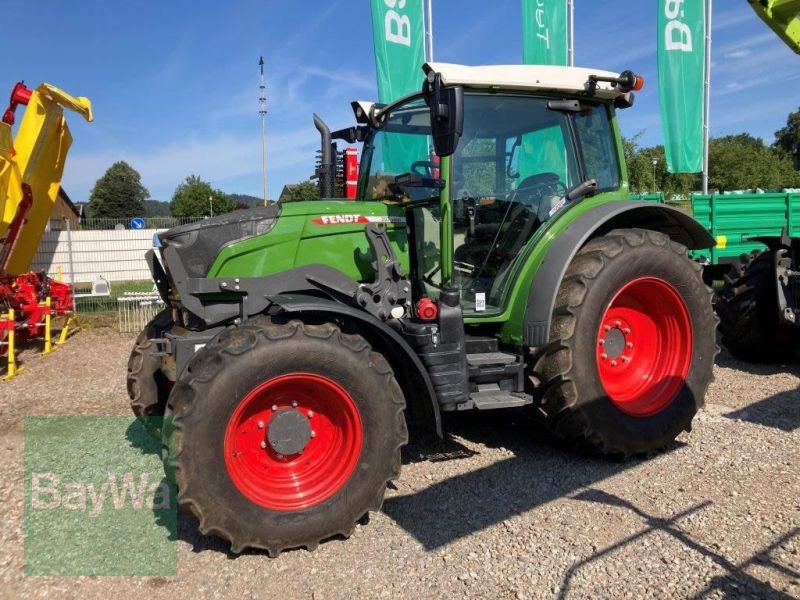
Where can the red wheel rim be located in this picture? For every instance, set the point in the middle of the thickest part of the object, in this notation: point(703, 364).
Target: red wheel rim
point(644, 347)
point(314, 473)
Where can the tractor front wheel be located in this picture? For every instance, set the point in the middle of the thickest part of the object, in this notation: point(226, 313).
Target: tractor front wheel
point(148, 388)
point(284, 434)
point(632, 345)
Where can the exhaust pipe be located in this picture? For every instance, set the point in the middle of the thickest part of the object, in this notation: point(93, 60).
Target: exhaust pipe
point(327, 169)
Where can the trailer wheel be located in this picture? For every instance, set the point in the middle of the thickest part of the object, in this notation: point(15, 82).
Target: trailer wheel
point(747, 306)
point(632, 345)
point(148, 389)
point(284, 434)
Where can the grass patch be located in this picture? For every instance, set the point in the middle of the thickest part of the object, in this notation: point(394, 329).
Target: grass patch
point(108, 304)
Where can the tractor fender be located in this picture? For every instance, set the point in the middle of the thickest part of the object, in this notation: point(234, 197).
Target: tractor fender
point(411, 374)
point(598, 221)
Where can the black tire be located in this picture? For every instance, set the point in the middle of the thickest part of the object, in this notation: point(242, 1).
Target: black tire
point(222, 375)
point(148, 388)
point(574, 403)
point(747, 306)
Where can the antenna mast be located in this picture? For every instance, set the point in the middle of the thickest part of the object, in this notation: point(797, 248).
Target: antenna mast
point(262, 110)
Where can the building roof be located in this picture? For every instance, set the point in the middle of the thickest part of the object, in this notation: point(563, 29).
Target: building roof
point(70, 204)
point(525, 77)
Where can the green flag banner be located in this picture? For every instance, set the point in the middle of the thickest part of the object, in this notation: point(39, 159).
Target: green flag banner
point(399, 36)
point(544, 32)
point(681, 60)
point(544, 42)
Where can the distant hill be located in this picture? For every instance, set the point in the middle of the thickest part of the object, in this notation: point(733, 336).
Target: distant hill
point(245, 199)
point(156, 208)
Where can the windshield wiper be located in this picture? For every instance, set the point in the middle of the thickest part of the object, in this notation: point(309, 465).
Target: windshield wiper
point(587, 188)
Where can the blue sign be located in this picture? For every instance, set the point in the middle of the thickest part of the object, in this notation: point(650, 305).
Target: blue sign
point(137, 223)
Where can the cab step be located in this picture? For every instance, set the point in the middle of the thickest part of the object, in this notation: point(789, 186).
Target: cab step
point(489, 397)
point(502, 368)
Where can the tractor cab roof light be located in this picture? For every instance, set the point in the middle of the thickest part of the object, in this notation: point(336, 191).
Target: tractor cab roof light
point(628, 81)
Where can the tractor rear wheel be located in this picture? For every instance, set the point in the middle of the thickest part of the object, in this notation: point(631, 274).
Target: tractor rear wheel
point(284, 434)
point(148, 389)
point(632, 345)
point(747, 306)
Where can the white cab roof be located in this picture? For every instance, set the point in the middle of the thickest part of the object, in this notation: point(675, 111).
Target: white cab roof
point(525, 77)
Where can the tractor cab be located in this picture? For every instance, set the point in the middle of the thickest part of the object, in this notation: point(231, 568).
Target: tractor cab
point(499, 163)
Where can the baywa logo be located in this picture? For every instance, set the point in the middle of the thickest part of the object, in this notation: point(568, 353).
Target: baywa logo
point(97, 501)
point(48, 492)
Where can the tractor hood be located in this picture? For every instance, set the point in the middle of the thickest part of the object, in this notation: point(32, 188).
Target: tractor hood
point(264, 241)
point(198, 244)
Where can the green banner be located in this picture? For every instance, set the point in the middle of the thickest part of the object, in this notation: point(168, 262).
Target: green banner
point(398, 31)
point(544, 32)
point(96, 499)
point(544, 42)
point(681, 60)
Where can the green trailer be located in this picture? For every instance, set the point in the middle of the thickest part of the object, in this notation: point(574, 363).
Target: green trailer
point(757, 243)
point(738, 221)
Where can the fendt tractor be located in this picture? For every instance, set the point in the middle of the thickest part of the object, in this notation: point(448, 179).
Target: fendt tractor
point(759, 304)
point(492, 259)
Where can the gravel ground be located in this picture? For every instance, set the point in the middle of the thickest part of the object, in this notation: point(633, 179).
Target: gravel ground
point(496, 511)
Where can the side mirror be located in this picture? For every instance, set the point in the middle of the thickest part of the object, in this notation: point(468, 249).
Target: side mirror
point(447, 113)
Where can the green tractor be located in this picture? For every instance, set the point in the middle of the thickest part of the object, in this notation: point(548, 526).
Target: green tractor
point(492, 259)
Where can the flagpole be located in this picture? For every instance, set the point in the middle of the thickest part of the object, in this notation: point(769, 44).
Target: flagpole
point(429, 23)
point(707, 98)
point(571, 32)
point(262, 110)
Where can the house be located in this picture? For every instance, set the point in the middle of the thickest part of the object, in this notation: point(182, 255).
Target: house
point(65, 210)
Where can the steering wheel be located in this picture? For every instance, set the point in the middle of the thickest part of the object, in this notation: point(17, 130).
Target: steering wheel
point(535, 190)
point(428, 165)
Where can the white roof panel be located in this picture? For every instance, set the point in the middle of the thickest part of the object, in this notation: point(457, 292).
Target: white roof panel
point(525, 77)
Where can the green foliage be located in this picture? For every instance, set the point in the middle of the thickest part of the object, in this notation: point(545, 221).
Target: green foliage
point(305, 190)
point(788, 136)
point(736, 162)
point(479, 177)
point(195, 197)
point(156, 208)
point(744, 162)
point(118, 194)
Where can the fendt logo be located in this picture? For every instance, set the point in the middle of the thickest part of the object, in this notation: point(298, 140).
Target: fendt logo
point(339, 219)
point(355, 219)
point(396, 25)
point(678, 35)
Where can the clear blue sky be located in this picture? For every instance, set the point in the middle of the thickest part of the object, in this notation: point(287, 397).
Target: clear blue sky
point(175, 87)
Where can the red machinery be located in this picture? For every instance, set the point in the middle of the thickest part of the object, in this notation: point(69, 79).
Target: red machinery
point(31, 166)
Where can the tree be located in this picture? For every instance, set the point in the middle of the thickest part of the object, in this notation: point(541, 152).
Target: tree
point(741, 161)
point(118, 194)
point(640, 172)
point(305, 190)
point(191, 199)
point(736, 162)
point(787, 137)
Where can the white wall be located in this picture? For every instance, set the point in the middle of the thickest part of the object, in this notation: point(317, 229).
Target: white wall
point(116, 255)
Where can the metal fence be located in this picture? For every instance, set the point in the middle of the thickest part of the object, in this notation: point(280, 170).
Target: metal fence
point(117, 224)
point(136, 309)
point(98, 249)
